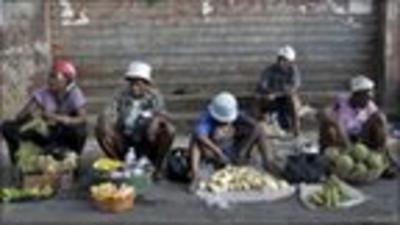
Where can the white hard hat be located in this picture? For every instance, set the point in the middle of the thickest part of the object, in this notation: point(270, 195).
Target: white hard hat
point(139, 70)
point(224, 107)
point(287, 52)
point(361, 83)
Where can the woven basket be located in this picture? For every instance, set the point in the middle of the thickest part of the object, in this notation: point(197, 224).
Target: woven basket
point(39, 180)
point(63, 181)
point(115, 206)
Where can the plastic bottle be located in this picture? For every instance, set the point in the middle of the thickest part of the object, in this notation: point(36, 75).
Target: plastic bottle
point(130, 157)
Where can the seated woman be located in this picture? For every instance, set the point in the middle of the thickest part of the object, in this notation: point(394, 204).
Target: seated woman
point(136, 118)
point(354, 117)
point(61, 106)
point(223, 135)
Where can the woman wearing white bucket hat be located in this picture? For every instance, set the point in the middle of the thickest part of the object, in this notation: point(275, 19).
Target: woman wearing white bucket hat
point(224, 135)
point(354, 117)
point(136, 118)
point(277, 90)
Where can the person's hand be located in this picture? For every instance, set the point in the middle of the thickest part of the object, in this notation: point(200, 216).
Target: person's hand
point(63, 119)
point(224, 160)
point(272, 96)
point(54, 118)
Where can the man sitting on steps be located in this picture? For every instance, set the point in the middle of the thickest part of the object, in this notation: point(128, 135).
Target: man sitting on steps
point(277, 91)
point(136, 118)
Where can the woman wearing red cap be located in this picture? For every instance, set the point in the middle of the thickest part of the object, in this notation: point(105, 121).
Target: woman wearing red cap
point(60, 108)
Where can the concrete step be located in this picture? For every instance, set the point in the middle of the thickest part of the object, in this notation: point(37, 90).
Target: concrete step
point(282, 22)
point(106, 90)
point(193, 103)
point(96, 73)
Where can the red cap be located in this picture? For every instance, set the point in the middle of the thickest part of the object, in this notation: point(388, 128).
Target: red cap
point(66, 68)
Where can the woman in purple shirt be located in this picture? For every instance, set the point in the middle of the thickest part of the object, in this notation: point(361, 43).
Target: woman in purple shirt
point(61, 105)
point(354, 118)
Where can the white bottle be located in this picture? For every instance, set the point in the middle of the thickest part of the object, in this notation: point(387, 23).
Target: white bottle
point(130, 157)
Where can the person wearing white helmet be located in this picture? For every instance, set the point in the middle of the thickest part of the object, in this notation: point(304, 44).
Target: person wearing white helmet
point(277, 90)
point(223, 135)
point(353, 118)
point(136, 118)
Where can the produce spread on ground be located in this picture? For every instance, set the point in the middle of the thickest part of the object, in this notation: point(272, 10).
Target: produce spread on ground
point(115, 184)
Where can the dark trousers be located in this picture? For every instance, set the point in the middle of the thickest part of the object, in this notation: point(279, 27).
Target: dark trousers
point(284, 109)
point(60, 137)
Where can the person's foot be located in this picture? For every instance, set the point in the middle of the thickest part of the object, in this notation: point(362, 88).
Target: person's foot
point(194, 185)
point(390, 173)
point(158, 176)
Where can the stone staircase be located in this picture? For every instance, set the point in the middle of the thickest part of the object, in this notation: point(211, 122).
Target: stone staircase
point(195, 58)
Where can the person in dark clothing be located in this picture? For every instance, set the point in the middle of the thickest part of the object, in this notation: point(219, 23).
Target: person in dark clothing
point(277, 91)
point(59, 107)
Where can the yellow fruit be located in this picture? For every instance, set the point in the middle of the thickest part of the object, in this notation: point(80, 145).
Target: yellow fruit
point(106, 164)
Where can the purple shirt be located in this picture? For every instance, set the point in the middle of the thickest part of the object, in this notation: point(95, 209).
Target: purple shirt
point(352, 119)
point(72, 101)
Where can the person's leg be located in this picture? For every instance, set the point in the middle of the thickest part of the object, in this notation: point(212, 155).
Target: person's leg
point(253, 135)
point(374, 132)
point(160, 135)
point(11, 134)
point(72, 137)
point(287, 114)
point(195, 158)
point(109, 138)
point(329, 135)
point(260, 107)
point(293, 103)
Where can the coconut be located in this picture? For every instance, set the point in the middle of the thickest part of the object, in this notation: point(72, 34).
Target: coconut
point(375, 161)
point(359, 152)
point(344, 164)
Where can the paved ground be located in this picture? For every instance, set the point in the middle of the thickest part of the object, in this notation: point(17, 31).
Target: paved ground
point(171, 203)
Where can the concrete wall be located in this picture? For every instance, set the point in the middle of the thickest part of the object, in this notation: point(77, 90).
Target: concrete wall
point(24, 52)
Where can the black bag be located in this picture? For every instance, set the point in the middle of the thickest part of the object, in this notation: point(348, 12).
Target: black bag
point(308, 168)
point(178, 165)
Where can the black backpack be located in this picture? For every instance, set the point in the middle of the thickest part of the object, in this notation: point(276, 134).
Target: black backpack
point(178, 165)
point(308, 168)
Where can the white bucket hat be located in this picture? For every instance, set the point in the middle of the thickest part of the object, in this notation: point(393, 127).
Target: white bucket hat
point(361, 83)
point(224, 107)
point(287, 52)
point(139, 70)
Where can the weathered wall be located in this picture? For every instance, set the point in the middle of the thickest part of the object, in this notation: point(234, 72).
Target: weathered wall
point(391, 59)
point(24, 52)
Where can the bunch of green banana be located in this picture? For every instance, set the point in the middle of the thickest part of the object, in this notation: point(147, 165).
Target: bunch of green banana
point(331, 195)
point(27, 157)
point(242, 179)
point(16, 194)
point(37, 124)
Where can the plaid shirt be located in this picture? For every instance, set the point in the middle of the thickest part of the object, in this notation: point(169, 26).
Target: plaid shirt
point(127, 112)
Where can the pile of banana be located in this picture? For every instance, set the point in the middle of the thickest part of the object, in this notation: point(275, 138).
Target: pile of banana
point(111, 192)
point(20, 194)
point(331, 194)
point(107, 164)
point(234, 179)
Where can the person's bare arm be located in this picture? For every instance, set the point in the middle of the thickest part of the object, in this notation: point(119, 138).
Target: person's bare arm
point(327, 114)
point(210, 145)
point(29, 108)
point(79, 118)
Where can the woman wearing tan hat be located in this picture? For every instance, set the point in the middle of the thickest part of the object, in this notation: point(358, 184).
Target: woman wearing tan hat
point(136, 118)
